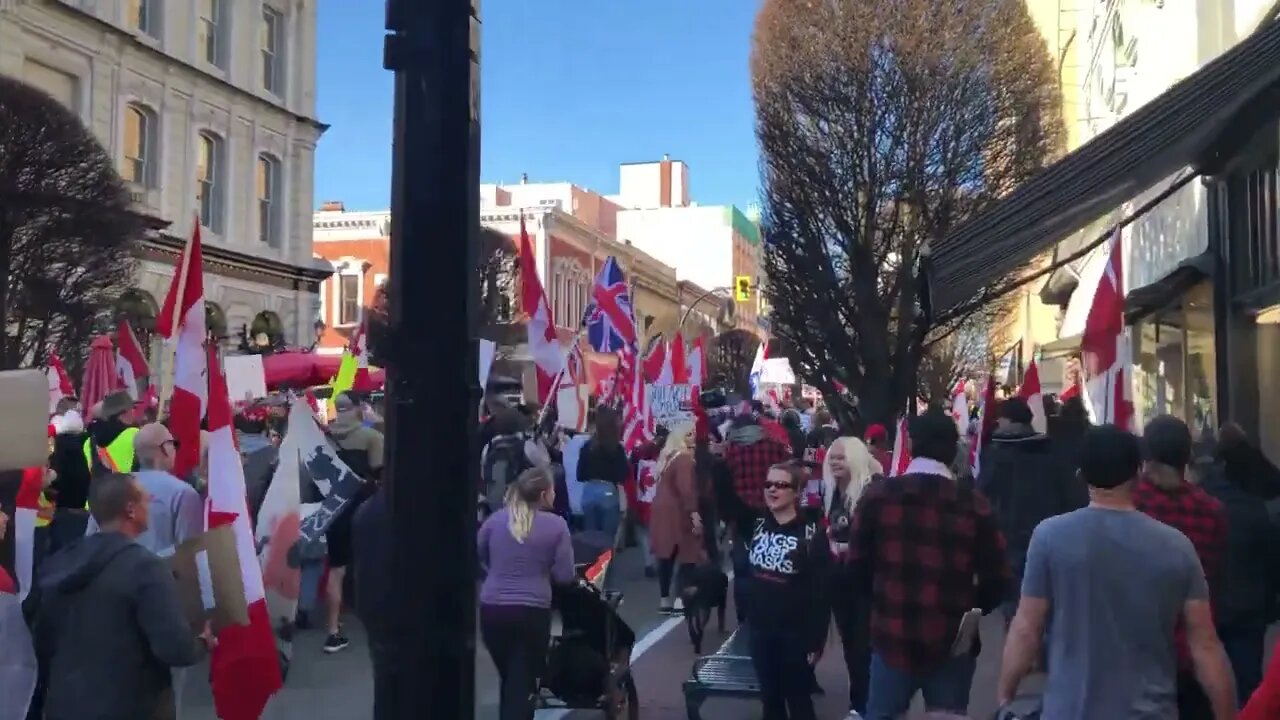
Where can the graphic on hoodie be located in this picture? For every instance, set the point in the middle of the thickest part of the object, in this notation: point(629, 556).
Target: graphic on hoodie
point(774, 551)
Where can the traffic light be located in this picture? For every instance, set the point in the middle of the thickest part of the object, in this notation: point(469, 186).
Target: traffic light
point(742, 288)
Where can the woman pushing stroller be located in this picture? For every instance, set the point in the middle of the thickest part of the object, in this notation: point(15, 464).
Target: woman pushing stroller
point(523, 549)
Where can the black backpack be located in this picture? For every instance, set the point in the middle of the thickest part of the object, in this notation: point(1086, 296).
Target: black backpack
point(504, 460)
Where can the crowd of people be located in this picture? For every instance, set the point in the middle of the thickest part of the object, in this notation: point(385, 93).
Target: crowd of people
point(106, 623)
point(1137, 574)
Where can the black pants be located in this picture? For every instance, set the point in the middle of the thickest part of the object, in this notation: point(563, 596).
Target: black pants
point(786, 679)
point(516, 638)
point(385, 670)
point(668, 571)
point(1193, 703)
point(1245, 643)
point(853, 620)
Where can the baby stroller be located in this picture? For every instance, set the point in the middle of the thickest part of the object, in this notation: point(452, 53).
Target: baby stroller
point(589, 662)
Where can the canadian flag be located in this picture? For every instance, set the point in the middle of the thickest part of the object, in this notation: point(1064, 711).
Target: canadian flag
point(960, 408)
point(697, 363)
point(986, 424)
point(679, 363)
point(1104, 346)
point(244, 669)
point(657, 364)
point(182, 321)
point(543, 344)
point(901, 457)
point(131, 362)
point(59, 382)
point(1031, 392)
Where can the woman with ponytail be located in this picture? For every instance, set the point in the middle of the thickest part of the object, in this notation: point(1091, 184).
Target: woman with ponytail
point(523, 549)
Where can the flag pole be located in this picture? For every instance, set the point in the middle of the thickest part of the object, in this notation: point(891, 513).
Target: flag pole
point(170, 347)
point(555, 384)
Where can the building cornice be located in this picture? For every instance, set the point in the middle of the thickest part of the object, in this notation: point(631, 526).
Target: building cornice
point(163, 247)
point(128, 39)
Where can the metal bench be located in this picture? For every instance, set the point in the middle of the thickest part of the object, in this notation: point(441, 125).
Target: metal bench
point(728, 672)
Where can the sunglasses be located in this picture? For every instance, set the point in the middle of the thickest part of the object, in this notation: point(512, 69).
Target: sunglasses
point(771, 485)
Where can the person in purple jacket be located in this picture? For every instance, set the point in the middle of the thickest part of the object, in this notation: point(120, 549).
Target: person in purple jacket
point(523, 548)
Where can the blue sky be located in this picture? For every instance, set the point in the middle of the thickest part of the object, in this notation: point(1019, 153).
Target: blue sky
point(571, 88)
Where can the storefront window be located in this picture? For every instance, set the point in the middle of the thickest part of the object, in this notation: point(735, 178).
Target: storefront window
point(1174, 362)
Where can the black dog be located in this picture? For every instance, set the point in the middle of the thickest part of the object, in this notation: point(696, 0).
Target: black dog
point(707, 588)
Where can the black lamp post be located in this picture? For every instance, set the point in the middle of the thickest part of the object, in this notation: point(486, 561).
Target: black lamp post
point(433, 49)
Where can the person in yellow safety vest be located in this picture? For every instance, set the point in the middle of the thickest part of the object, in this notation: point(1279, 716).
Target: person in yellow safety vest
point(111, 436)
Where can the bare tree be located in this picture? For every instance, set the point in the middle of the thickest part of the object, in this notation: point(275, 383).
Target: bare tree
point(496, 266)
point(882, 124)
point(67, 232)
point(729, 359)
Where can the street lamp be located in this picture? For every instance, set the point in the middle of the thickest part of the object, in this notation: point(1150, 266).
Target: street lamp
point(432, 384)
point(720, 292)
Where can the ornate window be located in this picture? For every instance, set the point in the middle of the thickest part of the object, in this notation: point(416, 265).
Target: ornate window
point(141, 145)
point(210, 180)
point(269, 200)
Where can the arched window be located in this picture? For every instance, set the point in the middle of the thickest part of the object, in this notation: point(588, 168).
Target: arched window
point(210, 180)
point(141, 136)
point(269, 200)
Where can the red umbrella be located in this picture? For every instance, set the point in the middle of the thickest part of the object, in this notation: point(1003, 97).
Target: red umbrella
point(100, 377)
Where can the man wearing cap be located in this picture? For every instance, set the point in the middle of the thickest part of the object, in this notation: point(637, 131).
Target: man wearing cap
point(109, 447)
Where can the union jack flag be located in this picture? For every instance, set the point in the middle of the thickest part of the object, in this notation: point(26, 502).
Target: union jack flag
point(609, 319)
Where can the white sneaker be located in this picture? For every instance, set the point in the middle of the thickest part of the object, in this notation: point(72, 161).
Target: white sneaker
point(679, 605)
point(853, 715)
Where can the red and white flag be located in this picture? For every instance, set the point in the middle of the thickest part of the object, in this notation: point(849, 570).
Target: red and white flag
point(359, 348)
point(637, 422)
point(182, 322)
point(1104, 346)
point(697, 363)
point(1031, 392)
point(244, 669)
point(131, 361)
point(986, 424)
point(901, 456)
point(572, 392)
point(657, 364)
point(679, 362)
point(544, 347)
point(960, 408)
point(59, 382)
point(19, 492)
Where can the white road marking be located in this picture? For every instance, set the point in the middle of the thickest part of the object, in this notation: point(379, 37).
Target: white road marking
point(653, 637)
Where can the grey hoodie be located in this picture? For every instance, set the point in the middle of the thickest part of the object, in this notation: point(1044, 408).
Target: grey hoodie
point(108, 627)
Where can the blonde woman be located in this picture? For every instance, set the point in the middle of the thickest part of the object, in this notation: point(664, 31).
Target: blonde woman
point(523, 548)
point(847, 470)
point(675, 526)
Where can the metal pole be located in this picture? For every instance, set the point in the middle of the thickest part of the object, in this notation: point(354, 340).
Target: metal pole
point(700, 298)
point(433, 390)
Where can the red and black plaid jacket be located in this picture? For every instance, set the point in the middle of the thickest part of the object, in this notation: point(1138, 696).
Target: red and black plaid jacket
point(1198, 515)
point(749, 464)
point(930, 551)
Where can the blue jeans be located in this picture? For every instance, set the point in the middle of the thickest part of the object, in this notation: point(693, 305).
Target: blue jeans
point(945, 689)
point(601, 506)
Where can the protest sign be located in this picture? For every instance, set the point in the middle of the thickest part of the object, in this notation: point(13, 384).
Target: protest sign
point(671, 405)
point(207, 571)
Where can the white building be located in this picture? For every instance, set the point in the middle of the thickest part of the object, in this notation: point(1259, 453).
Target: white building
point(208, 107)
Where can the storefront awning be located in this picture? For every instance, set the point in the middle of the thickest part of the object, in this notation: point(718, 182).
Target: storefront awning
point(1180, 128)
point(1161, 293)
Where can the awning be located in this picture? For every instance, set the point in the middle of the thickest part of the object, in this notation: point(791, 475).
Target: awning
point(1157, 295)
point(1178, 129)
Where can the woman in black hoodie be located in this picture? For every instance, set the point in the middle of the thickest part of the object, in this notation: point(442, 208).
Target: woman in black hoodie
point(787, 609)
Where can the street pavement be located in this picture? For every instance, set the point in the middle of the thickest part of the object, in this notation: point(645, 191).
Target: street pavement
point(341, 685)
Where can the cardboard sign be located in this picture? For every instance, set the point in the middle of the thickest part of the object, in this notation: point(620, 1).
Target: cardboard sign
point(671, 405)
point(207, 570)
point(24, 426)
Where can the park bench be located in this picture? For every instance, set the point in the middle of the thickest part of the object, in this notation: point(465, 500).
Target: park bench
point(727, 672)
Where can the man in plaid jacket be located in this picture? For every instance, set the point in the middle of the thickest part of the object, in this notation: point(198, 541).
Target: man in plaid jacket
point(928, 550)
point(1165, 494)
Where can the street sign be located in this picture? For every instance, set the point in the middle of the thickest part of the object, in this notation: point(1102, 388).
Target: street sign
point(742, 288)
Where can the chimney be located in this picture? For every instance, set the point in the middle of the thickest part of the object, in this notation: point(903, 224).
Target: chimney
point(332, 206)
point(666, 157)
point(524, 178)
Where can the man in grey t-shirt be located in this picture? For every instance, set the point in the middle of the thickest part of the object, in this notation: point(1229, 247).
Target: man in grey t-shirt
point(1108, 584)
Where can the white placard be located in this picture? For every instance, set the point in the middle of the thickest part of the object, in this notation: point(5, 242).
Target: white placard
point(488, 349)
point(671, 405)
point(245, 377)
